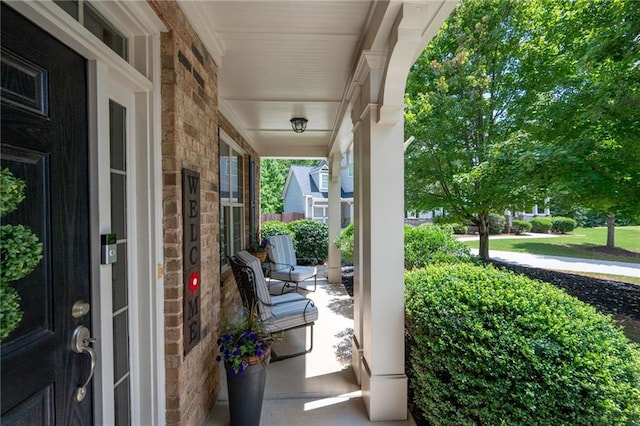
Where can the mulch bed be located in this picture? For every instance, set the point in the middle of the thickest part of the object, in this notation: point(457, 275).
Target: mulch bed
point(609, 297)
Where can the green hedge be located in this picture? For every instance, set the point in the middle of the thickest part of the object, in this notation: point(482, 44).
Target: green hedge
point(540, 225)
point(311, 239)
point(459, 228)
point(274, 227)
point(427, 244)
point(422, 245)
point(496, 224)
point(519, 226)
point(562, 225)
point(345, 243)
point(494, 348)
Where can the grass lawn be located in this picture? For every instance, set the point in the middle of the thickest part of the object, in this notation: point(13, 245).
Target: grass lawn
point(585, 243)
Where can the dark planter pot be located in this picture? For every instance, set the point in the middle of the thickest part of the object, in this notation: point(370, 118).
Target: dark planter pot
point(347, 278)
point(246, 391)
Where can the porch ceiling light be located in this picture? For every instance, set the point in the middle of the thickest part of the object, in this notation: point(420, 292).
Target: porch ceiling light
point(299, 124)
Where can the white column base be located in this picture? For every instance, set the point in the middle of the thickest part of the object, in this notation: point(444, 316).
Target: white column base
point(335, 275)
point(384, 396)
point(356, 359)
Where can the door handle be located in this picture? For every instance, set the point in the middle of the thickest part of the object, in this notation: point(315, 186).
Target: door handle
point(80, 342)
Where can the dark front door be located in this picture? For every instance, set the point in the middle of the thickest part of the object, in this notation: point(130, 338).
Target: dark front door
point(44, 142)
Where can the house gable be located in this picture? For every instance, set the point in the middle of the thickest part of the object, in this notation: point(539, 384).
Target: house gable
point(320, 179)
point(293, 195)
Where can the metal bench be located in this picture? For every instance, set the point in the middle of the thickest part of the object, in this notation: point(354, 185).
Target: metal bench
point(277, 313)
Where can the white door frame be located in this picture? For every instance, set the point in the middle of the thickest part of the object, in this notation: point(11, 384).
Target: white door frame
point(139, 81)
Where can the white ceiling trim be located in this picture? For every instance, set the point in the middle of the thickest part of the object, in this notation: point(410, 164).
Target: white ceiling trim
point(232, 117)
point(198, 14)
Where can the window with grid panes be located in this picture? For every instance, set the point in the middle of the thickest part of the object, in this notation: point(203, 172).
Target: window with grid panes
point(231, 202)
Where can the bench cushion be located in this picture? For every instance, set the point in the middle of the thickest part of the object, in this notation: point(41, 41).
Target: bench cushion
point(290, 315)
point(299, 273)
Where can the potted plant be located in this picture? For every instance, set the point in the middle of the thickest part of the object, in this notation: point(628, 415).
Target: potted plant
point(245, 350)
point(258, 246)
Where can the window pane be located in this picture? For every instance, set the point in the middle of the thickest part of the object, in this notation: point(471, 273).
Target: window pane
point(102, 29)
point(236, 177)
point(117, 132)
point(237, 229)
point(120, 287)
point(240, 185)
point(120, 345)
point(324, 181)
point(119, 205)
point(71, 7)
point(224, 172)
point(122, 408)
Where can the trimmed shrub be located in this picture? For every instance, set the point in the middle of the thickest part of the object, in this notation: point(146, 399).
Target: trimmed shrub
point(344, 241)
point(492, 347)
point(519, 226)
point(10, 311)
point(311, 239)
point(21, 252)
point(426, 244)
point(496, 224)
point(459, 228)
point(274, 227)
point(540, 225)
point(12, 192)
point(562, 225)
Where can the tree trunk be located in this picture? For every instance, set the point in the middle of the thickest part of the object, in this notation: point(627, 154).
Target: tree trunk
point(483, 230)
point(611, 228)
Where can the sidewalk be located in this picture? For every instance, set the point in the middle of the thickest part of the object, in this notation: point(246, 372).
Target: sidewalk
point(558, 263)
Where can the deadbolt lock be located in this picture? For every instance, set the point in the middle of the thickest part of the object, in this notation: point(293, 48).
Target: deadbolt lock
point(80, 309)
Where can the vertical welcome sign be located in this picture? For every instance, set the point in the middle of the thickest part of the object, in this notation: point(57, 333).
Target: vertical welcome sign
point(191, 258)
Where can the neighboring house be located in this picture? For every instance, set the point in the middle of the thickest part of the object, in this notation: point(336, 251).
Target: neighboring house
point(535, 212)
point(415, 218)
point(306, 191)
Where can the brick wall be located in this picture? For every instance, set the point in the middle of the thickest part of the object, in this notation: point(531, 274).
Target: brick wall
point(189, 140)
point(190, 121)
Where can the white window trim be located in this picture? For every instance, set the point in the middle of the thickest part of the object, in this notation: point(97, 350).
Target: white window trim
point(235, 147)
point(322, 175)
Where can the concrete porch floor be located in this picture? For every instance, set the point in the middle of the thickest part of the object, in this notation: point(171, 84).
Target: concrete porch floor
point(318, 388)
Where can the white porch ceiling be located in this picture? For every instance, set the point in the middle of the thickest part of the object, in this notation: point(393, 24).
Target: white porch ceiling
point(282, 59)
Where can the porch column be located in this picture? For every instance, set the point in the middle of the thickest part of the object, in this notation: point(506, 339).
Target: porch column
point(380, 206)
point(377, 96)
point(335, 266)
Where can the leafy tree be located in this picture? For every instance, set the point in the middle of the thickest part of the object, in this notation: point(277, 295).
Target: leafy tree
point(466, 99)
point(273, 174)
point(516, 101)
point(589, 123)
